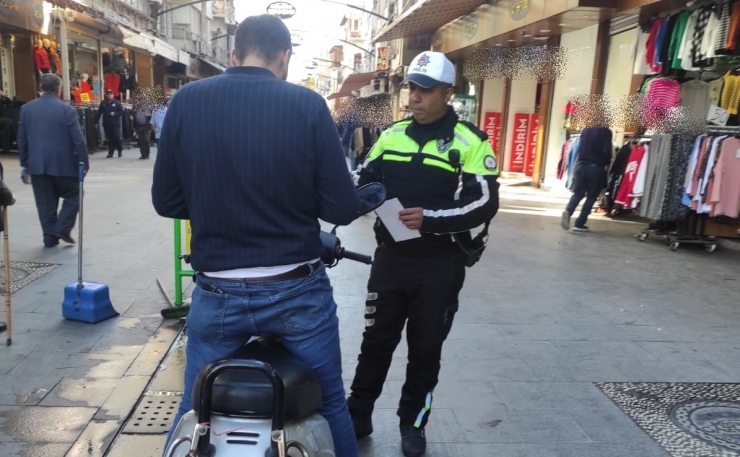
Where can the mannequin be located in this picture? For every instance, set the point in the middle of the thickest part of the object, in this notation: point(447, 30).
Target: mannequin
point(85, 86)
point(47, 48)
point(55, 57)
point(41, 58)
point(96, 87)
point(112, 82)
point(128, 83)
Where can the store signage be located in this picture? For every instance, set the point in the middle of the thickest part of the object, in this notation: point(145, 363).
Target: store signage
point(534, 123)
point(718, 116)
point(4, 66)
point(382, 59)
point(519, 9)
point(519, 142)
point(283, 10)
point(492, 127)
point(26, 14)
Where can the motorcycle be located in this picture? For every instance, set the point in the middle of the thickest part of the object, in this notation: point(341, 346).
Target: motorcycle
point(262, 401)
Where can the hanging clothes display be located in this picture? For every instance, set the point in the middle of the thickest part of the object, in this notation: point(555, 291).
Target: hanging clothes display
point(568, 159)
point(632, 183)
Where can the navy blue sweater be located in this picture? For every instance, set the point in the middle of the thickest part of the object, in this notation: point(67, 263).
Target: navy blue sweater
point(595, 146)
point(253, 162)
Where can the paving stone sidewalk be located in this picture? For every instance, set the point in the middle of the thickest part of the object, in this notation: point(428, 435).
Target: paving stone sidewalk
point(67, 387)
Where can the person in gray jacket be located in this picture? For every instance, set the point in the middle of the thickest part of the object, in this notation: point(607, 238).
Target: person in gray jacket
point(51, 146)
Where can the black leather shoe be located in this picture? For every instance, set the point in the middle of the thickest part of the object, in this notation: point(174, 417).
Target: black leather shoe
point(363, 425)
point(413, 441)
point(109, 156)
point(65, 238)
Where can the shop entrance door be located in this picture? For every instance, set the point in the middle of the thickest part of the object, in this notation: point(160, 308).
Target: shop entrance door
point(522, 124)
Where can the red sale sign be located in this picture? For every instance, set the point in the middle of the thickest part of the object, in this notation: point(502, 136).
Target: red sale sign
point(534, 123)
point(519, 142)
point(492, 127)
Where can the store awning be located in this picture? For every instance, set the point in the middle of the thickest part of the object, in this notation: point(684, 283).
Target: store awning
point(213, 64)
point(426, 16)
point(353, 82)
point(149, 43)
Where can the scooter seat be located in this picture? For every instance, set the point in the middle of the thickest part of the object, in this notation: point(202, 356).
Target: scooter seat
point(249, 393)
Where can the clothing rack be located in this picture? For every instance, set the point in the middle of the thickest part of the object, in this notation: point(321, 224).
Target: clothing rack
point(694, 224)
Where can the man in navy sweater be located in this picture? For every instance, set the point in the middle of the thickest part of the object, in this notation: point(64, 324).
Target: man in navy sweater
point(594, 157)
point(254, 195)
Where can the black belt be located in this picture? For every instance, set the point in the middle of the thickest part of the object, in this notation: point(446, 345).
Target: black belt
point(296, 273)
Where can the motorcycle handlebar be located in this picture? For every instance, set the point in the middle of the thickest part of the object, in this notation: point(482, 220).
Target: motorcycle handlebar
point(362, 258)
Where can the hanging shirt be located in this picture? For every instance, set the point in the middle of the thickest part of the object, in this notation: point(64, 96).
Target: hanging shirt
point(639, 188)
point(677, 38)
point(686, 198)
point(695, 98)
point(699, 59)
point(652, 43)
point(625, 193)
point(660, 44)
point(734, 27)
point(709, 41)
point(725, 192)
point(702, 207)
point(720, 46)
point(730, 93)
point(684, 50)
point(715, 91)
point(641, 67)
point(664, 93)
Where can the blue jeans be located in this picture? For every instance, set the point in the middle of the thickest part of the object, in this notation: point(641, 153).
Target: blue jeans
point(589, 181)
point(301, 312)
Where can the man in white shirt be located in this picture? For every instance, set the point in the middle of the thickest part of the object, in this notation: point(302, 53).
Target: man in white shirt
point(157, 120)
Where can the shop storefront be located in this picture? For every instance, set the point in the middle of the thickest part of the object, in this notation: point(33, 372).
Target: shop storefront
point(23, 26)
point(524, 110)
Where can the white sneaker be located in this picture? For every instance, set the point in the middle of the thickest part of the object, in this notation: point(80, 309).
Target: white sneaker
point(565, 220)
point(580, 229)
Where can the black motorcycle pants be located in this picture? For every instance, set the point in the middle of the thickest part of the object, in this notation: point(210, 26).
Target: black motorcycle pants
point(420, 292)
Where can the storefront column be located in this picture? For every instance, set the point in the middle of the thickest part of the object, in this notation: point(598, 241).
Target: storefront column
point(66, 86)
point(600, 59)
point(546, 96)
point(101, 75)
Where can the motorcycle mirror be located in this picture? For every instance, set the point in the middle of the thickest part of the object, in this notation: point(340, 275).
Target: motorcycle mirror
point(371, 197)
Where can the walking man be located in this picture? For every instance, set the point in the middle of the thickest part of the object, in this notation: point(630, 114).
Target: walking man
point(111, 111)
point(6, 125)
point(143, 132)
point(51, 146)
point(254, 197)
point(415, 283)
point(594, 158)
point(158, 117)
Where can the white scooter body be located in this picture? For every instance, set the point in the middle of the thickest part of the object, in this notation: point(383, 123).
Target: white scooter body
point(308, 437)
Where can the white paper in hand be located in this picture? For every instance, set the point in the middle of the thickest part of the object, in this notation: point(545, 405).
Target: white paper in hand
point(388, 213)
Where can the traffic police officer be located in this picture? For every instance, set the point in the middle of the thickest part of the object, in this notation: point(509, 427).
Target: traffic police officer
point(444, 173)
point(111, 111)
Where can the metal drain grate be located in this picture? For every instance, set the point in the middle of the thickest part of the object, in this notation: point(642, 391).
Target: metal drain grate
point(153, 415)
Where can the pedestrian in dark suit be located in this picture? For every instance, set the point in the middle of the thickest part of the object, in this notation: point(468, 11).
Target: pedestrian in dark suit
point(51, 145)
point(111, 111)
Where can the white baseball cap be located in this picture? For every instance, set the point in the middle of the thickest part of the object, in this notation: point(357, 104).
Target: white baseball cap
point(429, 69)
